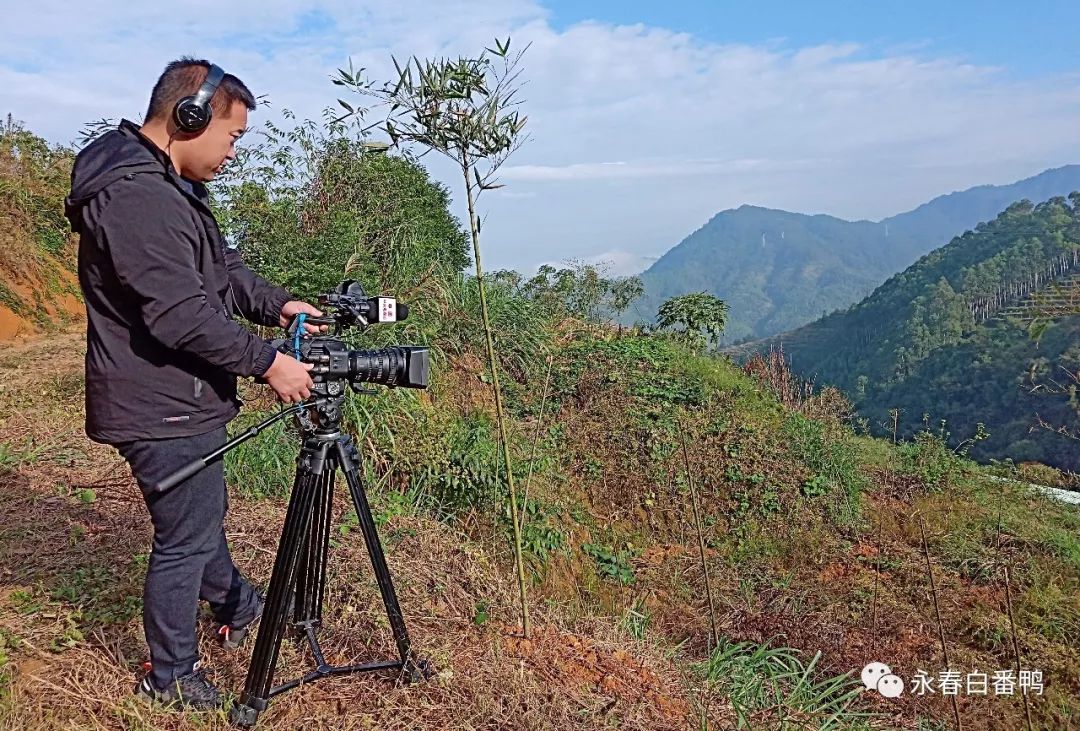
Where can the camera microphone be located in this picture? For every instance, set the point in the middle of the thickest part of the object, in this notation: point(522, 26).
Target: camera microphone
point(350, 298)
point(385, 309)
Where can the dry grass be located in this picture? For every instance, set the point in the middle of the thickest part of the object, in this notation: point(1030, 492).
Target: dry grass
point(72, 570)
point(71, 573)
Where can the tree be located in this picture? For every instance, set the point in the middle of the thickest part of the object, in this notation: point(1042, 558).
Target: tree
point(465, 109)
point(581, 290)
point(624, 291)
point(699, 318)
point(374, 217)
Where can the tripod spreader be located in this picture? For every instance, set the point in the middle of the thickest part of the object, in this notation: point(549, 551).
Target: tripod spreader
point(198, 464)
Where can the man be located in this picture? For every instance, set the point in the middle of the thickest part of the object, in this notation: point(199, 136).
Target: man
point(163, 351)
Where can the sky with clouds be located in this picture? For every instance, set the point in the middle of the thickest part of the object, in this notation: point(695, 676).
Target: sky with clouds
point(645, 118)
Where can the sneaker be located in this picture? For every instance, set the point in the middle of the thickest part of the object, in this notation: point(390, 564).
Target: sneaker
point(232, 636)
point(191, 691)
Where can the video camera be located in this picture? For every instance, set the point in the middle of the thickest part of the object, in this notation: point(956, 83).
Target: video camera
point(335, 365)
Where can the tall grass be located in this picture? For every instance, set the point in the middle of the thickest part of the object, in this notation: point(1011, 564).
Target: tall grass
point(772, 687)
point(266, 465)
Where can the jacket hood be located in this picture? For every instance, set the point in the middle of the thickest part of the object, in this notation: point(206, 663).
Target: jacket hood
point(120, 152)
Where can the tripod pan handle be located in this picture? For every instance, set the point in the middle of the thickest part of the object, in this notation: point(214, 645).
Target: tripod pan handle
point(199, 463)
point(181, 474)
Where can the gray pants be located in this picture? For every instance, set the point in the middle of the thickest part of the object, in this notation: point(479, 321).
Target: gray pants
point(190, 559)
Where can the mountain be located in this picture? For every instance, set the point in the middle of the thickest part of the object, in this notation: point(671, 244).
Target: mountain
point(952, 337)
point(778, 270)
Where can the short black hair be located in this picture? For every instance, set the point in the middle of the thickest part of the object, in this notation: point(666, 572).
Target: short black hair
point(183, 77)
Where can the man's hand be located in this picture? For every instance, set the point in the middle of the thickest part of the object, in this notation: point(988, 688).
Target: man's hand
point(289, 378)
point(295, 307)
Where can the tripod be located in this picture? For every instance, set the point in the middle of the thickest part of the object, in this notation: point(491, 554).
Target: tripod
point(299, 575)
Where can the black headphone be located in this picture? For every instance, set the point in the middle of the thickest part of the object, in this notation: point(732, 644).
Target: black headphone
point(192, 113)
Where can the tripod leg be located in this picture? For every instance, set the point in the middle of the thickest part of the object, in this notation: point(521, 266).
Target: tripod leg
point(349, 462)
point(311, 573)
point(311, 465)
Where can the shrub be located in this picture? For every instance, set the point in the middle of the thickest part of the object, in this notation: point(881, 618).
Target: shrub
point(929, 457)
point(831, 457)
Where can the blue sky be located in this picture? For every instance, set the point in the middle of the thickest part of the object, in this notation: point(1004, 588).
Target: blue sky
point(1025, 40)
point(646, 118)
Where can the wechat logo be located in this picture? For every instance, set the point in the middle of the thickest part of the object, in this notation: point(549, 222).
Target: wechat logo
point(879, 676)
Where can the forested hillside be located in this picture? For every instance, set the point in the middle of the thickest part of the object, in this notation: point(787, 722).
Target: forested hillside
point(952, 337)
point(779, 270)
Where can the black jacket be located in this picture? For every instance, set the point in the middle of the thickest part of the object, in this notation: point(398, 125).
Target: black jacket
point(161, 290)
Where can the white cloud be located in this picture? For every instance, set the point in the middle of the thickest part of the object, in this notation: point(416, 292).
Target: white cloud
point(611, 263)
point(639, 134)
point(576, 171)
point(619, 263)
point(644, 169)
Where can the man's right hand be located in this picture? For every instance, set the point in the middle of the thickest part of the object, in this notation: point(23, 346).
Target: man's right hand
point(289, 378)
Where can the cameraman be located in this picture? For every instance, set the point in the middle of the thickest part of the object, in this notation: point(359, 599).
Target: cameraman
point(163, 350)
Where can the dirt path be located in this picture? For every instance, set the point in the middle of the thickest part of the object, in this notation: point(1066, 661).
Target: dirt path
point(1071, 497)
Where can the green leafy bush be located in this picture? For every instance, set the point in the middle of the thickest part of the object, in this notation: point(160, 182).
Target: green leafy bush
point(610, 563)
point(929, 457)
point(831, 457)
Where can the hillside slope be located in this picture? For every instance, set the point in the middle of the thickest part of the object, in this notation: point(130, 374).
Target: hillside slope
point(38, 286)
point(809, 536)
point(779, 270)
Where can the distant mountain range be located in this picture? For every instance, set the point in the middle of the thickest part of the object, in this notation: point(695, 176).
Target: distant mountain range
point(953, 337)
point(778, 270)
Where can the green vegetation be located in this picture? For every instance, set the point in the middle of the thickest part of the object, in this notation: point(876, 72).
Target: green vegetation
point(772, 687)
point(610, 563)
point(37, 250)
point(698, 318)
point(326, 190)
point(265, 466)
point(833, 466)
point(945, 339)
point(578, 290)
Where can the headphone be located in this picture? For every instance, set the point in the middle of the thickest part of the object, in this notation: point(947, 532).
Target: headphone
point(192, 113)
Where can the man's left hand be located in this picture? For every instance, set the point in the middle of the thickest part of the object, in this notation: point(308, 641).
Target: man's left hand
point(295, 307)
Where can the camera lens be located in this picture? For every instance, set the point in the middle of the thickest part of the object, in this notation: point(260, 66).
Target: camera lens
point(398, 366)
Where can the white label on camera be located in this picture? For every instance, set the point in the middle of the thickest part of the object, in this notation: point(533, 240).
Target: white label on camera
point(387, 309)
